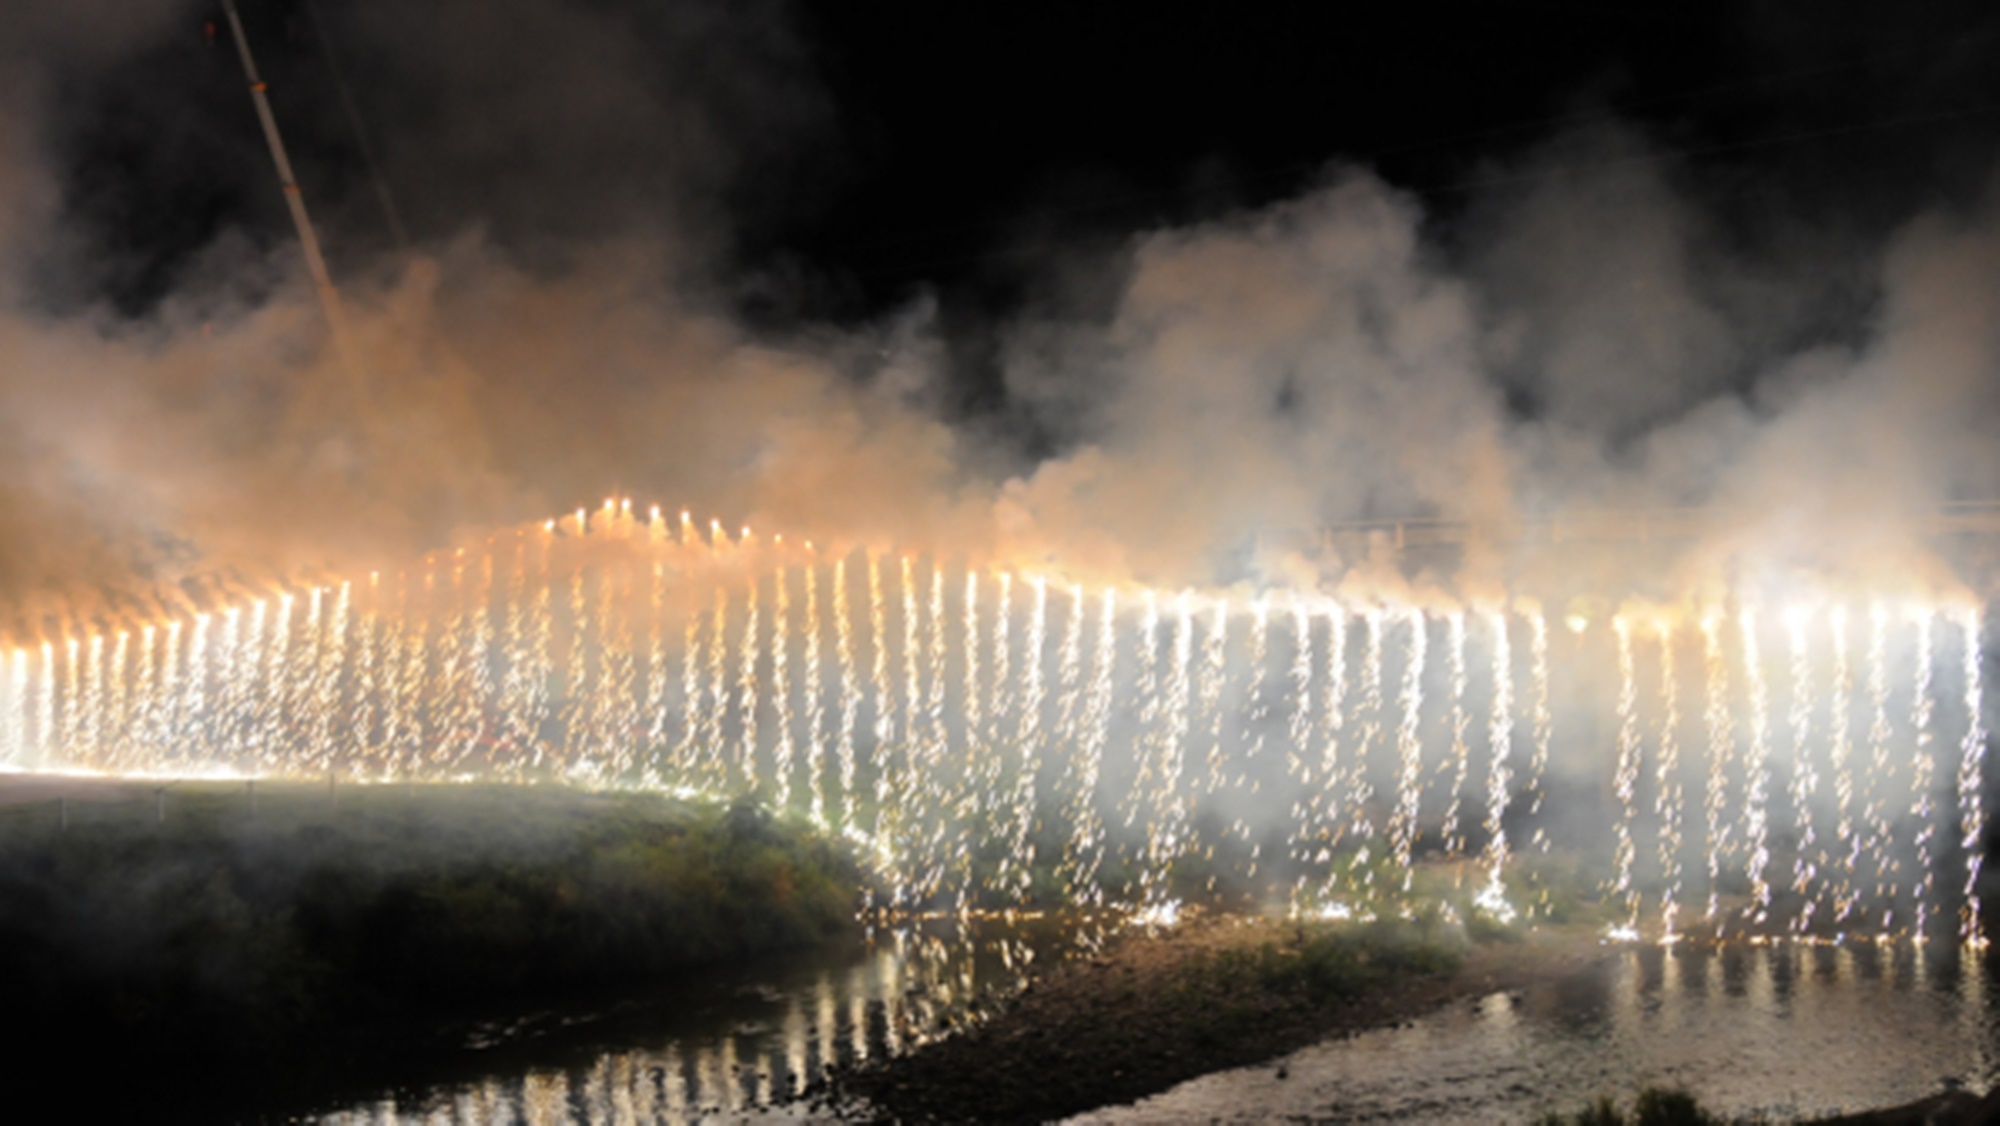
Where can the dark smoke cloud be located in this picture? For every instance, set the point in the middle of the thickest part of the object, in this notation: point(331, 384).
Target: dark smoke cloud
point(559, 127)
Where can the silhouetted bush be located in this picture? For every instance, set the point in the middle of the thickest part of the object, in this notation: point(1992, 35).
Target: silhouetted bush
point(1654, 1106)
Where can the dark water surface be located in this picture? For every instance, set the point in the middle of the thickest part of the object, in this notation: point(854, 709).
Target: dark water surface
point(1782, 1031)
point(731, 1048)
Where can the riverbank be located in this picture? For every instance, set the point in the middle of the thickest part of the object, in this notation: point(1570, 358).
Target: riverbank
point(209, 929)
point(1155, 1008)
point(1659, 1107)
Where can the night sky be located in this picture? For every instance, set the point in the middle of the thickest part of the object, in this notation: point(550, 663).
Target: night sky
point(882, 149)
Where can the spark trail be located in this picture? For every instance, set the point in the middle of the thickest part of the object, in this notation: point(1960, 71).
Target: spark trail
point(1667, 783)
point(1626, 781)
point(1409, 746)
point(1756, 769)
point(1499, 779)
point(992, 746)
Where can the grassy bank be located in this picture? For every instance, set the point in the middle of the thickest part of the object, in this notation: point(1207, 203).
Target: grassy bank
point(222, 924)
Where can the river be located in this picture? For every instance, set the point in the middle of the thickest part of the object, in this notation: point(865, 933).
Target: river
point(738, 1046)
point(1782, 1031)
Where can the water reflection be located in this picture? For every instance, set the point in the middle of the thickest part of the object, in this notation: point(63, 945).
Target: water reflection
point(758, 1043)
point(1783, 1031)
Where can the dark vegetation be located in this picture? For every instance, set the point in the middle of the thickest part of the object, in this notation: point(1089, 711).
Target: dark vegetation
point(240, 928)
point(1654, 1106)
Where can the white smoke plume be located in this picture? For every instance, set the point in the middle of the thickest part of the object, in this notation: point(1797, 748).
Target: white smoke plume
point(1590, 331)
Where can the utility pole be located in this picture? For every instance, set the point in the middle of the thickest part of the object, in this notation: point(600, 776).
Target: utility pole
point(329, 295)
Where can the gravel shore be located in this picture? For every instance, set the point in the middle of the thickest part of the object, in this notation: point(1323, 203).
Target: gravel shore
point(1153, 1009)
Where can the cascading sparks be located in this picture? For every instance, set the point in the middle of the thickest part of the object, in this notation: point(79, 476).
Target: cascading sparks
point(1460, 763)
point(1409, 746)
point(1626, 781)
point(1972, 812)
point(1667, 788)
point(1499, 780)
point(1721, 743)
point(1805, 779)
point(991, 739)
point(1847, 852)
point(1921, 811)
point(1538, 766)
point(1756, 769)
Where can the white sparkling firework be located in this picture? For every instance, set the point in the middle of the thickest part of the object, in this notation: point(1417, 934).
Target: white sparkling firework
point(14, 750)
point(1756, 771)
point(979, 777)
point(1360, 790)
point(946, 758)
point(45, 711)
point(231, 726)
point(1300, 728)
point(715, 715)
point(117, 718)
point(327, 680)
point(1300, 725)
point(746, 686)
point(1325, 797)
point(934, 705)
point(1971, 811)
point(1087, 837)
point(193, 708)
point(1841, 730)
point(145, 711)
point(1875, 816)
point(850, 693)
point(1500, 736)
point(1409, 746)
point(815, 697)
point(1667, 783)
point(89, 746)
point(1460, 763)
point(1029, 739)
point(1544, 719)
point(1922, 767)
point(1214, 672)
point(624, 730)
point(1626, 781)
point(1069, 684)
point(1002, 705)
point(1721, 740)
point(1149, 701)
point(1165, 841)
point(1805, 777)
point(884, 690)
point(1258, 707)
point(781, 684)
